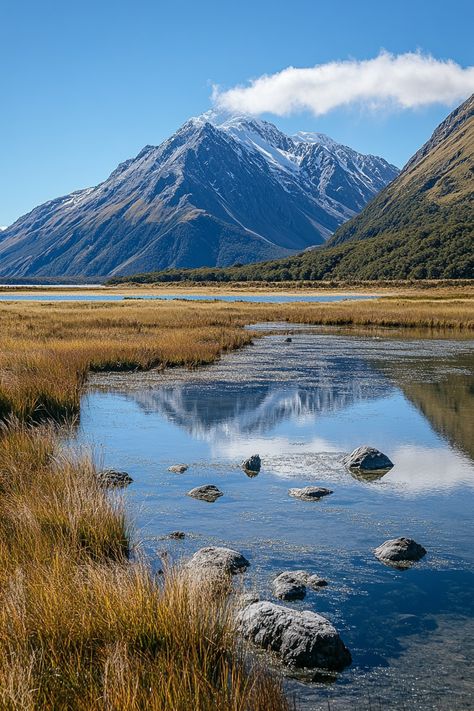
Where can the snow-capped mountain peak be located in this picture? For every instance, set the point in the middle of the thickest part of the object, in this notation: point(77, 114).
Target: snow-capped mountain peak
point(222, 189)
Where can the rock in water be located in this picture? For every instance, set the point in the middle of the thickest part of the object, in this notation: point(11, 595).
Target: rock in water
point(292, 584)
point(288, 340)
point(221, 560)
point(208, 492)
point(367, 459)
point(400, 551)
point(113, 478)
point(252, 464)
point(178, 468)
point(179, 535)
point(289, 586)
point(310, 493)
point(301, 639)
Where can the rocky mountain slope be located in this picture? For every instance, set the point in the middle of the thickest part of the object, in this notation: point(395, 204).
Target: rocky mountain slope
point(221, 190)
point(420, 226)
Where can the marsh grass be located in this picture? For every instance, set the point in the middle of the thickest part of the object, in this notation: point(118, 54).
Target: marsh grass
point(47, 350)
point(84, 627)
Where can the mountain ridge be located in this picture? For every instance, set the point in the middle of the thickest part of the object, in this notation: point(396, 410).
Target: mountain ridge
point(218, 191)
point(421, 226)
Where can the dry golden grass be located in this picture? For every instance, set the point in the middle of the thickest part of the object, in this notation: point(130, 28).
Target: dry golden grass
point(81, 626)
point(46, 350)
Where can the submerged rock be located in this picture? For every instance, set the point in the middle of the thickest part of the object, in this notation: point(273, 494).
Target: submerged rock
point(367, 459)
point(220, 560)
point(292, 584)
point(252, 465)
point(400, 551)
point(208, 492)
point(289, 586)
point(310, 493)
point(301, 639)
point(177, 534)
point(178, 468)
point(112, 478)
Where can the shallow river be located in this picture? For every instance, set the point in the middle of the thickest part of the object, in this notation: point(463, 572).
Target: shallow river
point(301, 406)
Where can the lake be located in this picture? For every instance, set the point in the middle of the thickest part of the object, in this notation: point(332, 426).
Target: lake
point(255, 298)
point(301, 406)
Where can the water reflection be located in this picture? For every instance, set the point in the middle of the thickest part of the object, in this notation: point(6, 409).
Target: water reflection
point(301, 406)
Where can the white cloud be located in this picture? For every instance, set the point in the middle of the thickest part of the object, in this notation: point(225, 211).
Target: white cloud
point(404, 81)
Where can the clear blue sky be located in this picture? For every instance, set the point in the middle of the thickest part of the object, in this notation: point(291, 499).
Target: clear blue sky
point(84, 85)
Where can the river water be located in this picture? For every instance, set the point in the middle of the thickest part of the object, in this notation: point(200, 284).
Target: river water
point(254, 298)
point(301, 406)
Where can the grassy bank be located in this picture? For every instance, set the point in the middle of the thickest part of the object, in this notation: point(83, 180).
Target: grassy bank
point(82, 626)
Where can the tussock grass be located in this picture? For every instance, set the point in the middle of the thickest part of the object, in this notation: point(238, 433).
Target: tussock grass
point(82, 626)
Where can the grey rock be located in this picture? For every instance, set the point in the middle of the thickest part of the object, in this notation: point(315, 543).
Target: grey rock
point(301, 639)
point(310, 493)
point(400, 551)
point(113, 478)
point(216, 559)
point(252, 464)
point(208, 492)
point(289, 586)
point(178, 468)
point(367, 459)
point(292, 584)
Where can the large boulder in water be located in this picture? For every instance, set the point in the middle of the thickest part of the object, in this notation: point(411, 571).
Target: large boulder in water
point(400, 552)
point(367, 459)
point(301, 639)
point(218, 560)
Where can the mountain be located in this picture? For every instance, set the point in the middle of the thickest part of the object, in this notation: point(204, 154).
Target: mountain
point(420, 226)
point(221, 190)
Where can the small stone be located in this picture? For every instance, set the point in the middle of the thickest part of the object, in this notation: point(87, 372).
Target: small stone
point(310, 493)
point(301, 639)
point(216, 559)
point(178, 468)
point(176, 534)
point(113, 478)
point(367, 459)
point(252, 464)
point(400, 552)
point(288, 340)
point(289, 586)
point(208, 492)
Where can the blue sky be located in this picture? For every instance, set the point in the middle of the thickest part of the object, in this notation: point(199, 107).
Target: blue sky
point(85, 85)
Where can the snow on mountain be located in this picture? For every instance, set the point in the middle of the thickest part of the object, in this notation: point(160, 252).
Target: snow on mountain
point(222, 189)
